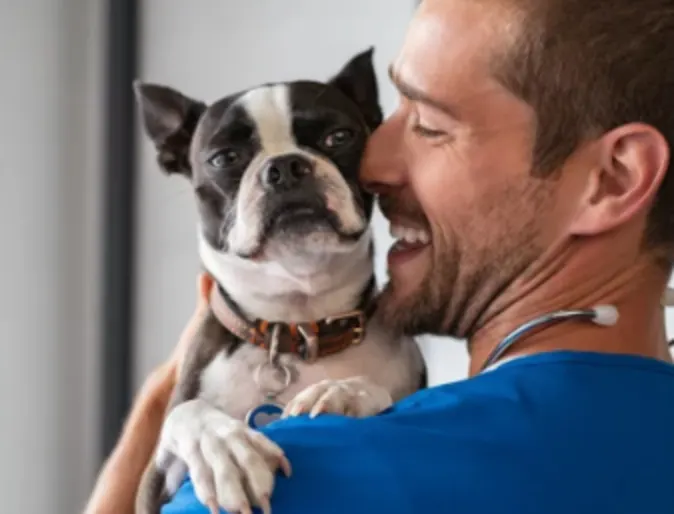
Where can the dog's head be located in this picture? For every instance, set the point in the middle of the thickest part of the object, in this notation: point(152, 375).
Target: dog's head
point(275, 167)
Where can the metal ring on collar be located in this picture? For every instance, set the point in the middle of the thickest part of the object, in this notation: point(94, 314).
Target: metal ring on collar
point(287, 377)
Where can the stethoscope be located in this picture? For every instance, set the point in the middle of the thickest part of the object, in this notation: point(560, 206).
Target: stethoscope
point(602, 315)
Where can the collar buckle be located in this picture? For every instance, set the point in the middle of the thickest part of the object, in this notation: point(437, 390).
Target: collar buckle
point(309, 346)
point(358, 330)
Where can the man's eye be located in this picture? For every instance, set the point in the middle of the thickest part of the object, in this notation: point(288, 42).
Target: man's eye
point(224, 159)
point(427, 132)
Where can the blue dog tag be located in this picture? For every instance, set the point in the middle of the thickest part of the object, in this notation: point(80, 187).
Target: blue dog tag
point(263, 415)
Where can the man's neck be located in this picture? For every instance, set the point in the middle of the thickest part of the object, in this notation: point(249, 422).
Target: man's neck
point(634, 285)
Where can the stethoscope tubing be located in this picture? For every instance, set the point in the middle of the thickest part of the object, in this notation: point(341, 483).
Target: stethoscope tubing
point(592, 314)
point(546, 319)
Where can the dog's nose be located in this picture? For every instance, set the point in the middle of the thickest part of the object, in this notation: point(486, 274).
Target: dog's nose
point(286, 171)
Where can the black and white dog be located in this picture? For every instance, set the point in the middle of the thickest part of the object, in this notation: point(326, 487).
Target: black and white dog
point(284, 231)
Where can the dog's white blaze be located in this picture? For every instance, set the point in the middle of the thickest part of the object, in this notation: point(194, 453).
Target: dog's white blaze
point(269, 107)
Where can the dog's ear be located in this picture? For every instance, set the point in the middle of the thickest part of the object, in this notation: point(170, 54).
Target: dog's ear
point(170, 119)
point(358, 81)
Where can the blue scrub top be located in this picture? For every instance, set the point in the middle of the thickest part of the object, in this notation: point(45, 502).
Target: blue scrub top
point(555, 433)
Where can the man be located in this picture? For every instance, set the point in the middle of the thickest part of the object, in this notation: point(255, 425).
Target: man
point(532, 143)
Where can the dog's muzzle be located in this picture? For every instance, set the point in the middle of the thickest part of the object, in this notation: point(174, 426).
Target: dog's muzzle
point(286, 172)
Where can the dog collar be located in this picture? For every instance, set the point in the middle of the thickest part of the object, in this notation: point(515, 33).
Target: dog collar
point(309, 341)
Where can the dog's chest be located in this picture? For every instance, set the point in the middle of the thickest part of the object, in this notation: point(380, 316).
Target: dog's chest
point(228, 382)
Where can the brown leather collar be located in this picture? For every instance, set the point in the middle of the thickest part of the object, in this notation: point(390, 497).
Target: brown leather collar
point(309, 341)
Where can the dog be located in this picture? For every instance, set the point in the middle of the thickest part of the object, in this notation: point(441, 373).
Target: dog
point(284, 230)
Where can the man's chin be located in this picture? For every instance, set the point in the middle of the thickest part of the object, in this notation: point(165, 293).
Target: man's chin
point(396, 308)
point(410, 310)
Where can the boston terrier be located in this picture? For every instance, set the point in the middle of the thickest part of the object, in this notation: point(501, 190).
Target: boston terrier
point(284, 231)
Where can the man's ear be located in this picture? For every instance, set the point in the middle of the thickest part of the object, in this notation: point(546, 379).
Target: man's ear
point(169, 119)
point(632, 162)
point(358, 81)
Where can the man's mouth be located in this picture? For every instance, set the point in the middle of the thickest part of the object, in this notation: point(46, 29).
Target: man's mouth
point(410, 242)
point(409, 238)
point(408, 225)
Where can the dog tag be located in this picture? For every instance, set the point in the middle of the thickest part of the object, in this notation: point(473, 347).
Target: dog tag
point(263, 415)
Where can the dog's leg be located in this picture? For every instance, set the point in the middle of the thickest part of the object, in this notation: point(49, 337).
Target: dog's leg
point(152, 492)
point(230, 464)
point(165, 472)
point(356, 396)
point(162, 478)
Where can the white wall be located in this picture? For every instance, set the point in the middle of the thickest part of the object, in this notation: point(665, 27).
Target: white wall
point(48, 294)
point(208, 48)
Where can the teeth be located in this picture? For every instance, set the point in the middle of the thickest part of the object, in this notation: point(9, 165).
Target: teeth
point(410, 235)
point(397, 232)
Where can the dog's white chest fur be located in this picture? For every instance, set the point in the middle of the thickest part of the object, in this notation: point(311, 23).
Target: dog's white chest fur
point(228, 381)
point(269, 291)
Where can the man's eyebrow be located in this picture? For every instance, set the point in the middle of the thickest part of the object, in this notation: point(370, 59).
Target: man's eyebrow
point(415, 95)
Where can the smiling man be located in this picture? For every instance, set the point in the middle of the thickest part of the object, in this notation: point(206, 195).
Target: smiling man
point(531, 155)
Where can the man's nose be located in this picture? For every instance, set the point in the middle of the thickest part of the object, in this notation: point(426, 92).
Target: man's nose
point(383, 165)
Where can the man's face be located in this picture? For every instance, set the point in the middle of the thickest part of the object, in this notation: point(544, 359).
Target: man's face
point(453, 163)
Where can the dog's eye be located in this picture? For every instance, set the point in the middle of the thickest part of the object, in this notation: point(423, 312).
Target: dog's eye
point(337, 138)
point(224, 159)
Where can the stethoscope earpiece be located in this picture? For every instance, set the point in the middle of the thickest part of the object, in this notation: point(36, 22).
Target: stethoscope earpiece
point(605, 315)
point(668, 297)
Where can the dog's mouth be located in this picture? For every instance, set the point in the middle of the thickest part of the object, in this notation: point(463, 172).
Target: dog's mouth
point(299, 218)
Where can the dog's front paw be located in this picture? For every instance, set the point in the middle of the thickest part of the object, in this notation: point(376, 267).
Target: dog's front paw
point(231, 466)
point(357, 397)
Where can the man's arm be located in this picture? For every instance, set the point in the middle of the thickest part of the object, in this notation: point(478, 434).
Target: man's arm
point(116, 487)
point(118, 482)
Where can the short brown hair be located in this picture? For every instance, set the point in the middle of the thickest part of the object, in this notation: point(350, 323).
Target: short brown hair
point(586, 67)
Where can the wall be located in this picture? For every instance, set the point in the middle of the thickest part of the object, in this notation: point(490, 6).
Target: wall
point(213, 47)
point(48, 214)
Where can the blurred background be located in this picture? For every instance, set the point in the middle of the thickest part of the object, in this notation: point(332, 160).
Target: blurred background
point(99, 258)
